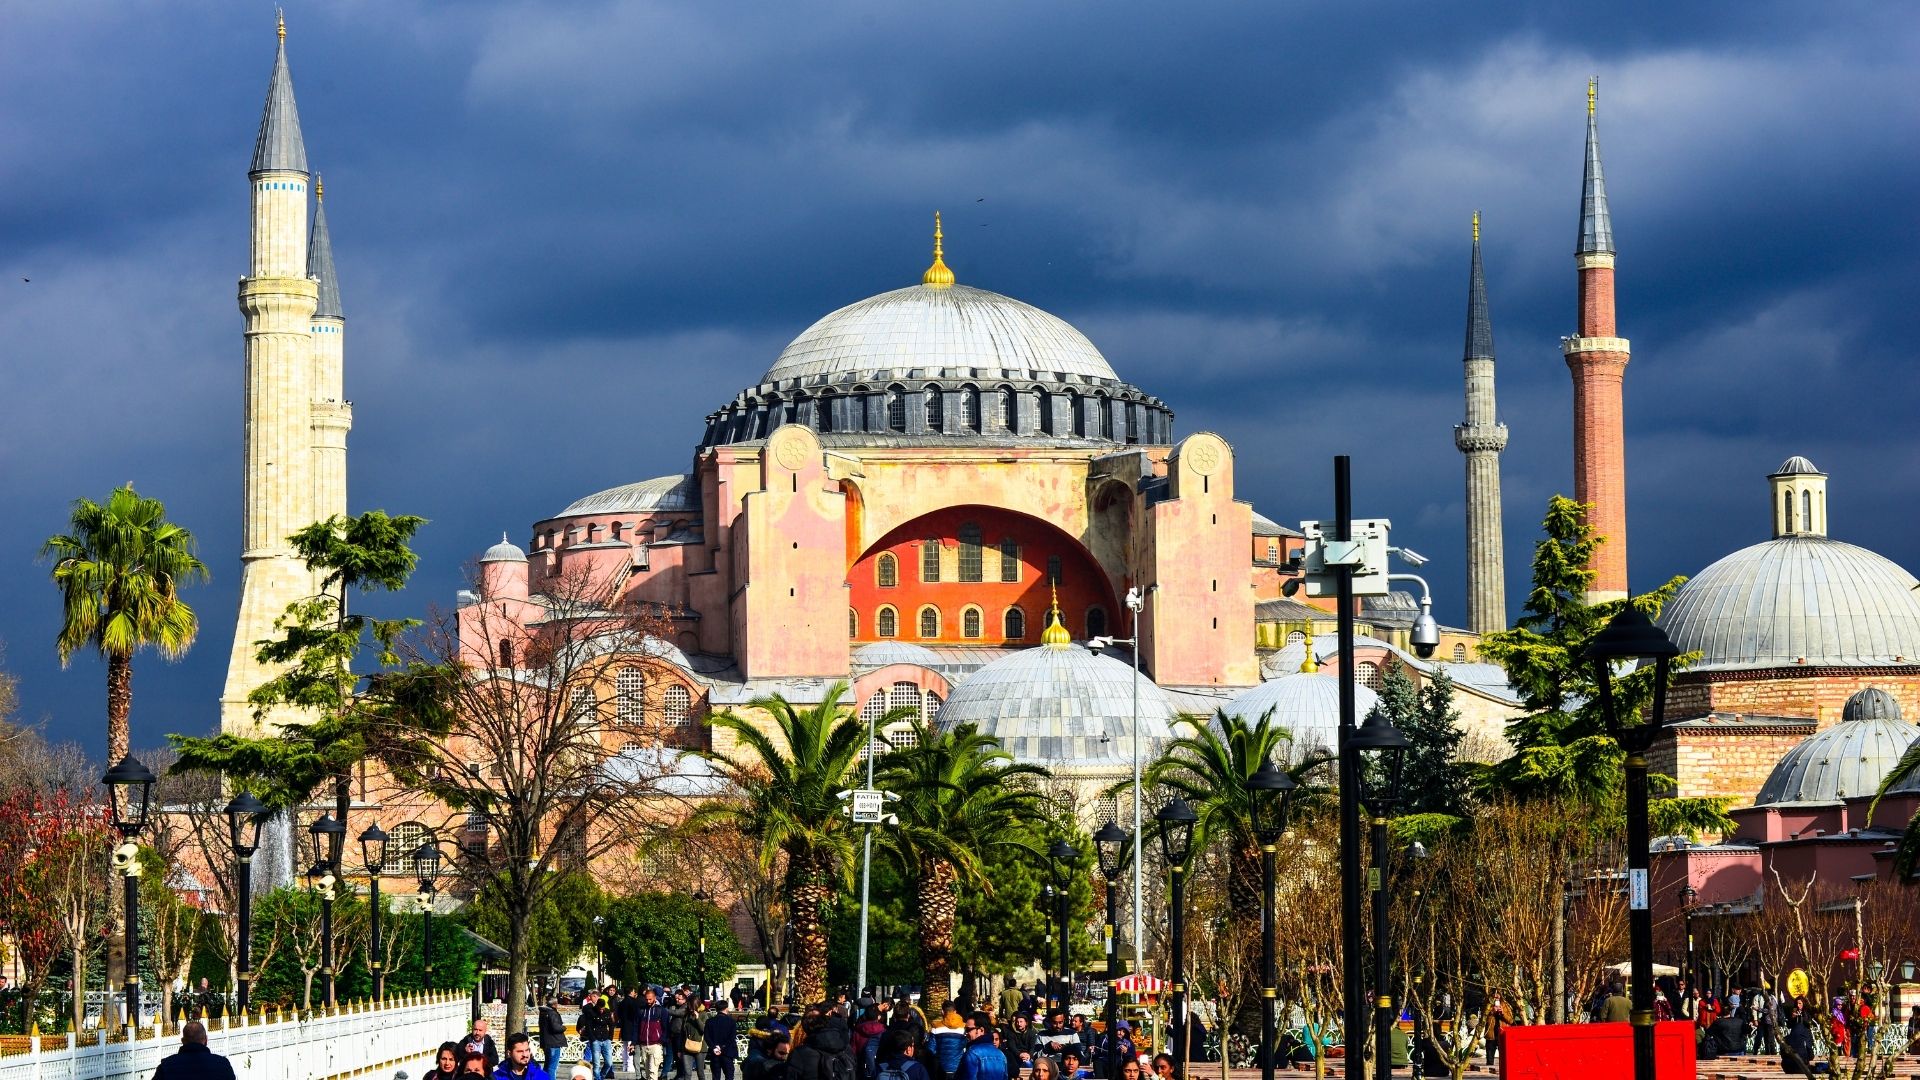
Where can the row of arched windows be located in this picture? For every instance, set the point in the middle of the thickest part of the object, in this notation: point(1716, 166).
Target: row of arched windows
point(630, 701)
point(971, 564)
point(932, 408)
point(928, 622)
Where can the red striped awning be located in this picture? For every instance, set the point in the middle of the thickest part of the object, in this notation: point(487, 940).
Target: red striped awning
point(1139, 983)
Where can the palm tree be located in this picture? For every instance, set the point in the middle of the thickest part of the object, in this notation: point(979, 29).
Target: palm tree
point(1906, 859)
point(961, 797)
point(786, 799)
point(120, 571)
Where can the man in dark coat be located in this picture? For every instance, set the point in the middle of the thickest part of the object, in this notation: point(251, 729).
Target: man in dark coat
point(194, 1061)
point(826, 1052)
point(553, 1034)
point(480, 1041)
point(722, 1042)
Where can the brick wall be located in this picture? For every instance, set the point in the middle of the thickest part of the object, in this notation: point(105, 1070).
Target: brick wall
point(1722, 764)
point(1815, 692)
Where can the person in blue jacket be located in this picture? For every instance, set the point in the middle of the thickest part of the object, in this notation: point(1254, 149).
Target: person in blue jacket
point(982, 1060)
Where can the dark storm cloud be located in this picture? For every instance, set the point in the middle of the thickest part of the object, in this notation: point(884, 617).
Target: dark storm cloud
point(567, 231)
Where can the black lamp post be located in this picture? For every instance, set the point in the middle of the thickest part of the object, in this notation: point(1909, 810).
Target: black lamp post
point(329, 836)
point(373, 854)
point(1110, 846)
point(1271, 791)
point(1176, 821)
point(1379, 739)
point(700, 897)
point(1049, 910)
point(1063, 857)
point(129, 791)
point(244, 817)
point(1633, 636)
point(426, 863)
point(1689, 896)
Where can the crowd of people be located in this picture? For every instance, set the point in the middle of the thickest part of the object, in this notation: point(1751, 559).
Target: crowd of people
point(1756, 1020)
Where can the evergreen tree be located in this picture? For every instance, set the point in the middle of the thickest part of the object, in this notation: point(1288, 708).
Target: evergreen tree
point(1433, 782)
point(655, 937)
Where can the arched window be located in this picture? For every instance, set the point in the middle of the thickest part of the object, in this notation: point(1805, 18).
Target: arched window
point(402, 841)
point(896, 409)
point(1053, 569)
point(1096, 622)
point(935, 413)
point(875, 707)
point(930, 559)
point(1106, 415)
point(929, 622)
point(1009, 559)
point(1369, 673)
point(853, 623)
point(1786, 511)
point(1077, 421)
point(823, 411)
point(930, 707)
point(886, 623)
point(886, 570)
point(676, 705)
point(970, 623)
point(1009, 410)
point(970, 408)
point(1459, 653)
point(582, 705)
point(630, 695)
point(1014, 624)
point(904, 696)
point(1806, 511)
point(1296, 636)
point(901, 737)
point(970, 568)
point(506, 654)
point(1133, 422)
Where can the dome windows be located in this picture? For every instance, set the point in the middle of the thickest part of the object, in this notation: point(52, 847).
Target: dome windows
point(934, 411)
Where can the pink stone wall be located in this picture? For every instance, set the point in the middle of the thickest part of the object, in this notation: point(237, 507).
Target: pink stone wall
point(1196, 548)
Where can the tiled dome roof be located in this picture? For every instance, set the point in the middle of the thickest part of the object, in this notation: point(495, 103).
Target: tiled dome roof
point(939, 329)
point(1797, 600)
point(675, 492)
point(1850, 758)
point(1797, 466)
point(1062, 706)
point(504, 551)
point(1307, 704)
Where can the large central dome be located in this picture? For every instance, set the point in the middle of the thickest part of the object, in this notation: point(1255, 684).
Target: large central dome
point(939, 331)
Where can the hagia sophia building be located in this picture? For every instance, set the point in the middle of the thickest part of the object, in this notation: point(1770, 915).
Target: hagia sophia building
point(940, 495)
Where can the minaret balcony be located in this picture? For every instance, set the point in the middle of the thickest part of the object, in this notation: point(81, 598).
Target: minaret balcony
point(1480, 438)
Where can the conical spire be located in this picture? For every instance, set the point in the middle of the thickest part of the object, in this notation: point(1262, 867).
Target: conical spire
point(320, 259)
point(1596, 224)
point(280, 147)
point(1479, 324)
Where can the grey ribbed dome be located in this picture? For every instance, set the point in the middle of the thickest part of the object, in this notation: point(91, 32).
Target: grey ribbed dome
point(1872, 703)
point(1306, 704)
point(1798, 599)
point(1848, 759)
point(941, 329)
point(675, 492)
point(1797, 466)
point(504, 551)
point(881, 653)
point(1063, 707)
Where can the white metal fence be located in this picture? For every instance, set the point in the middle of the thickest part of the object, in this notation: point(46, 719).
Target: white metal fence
point(354, 1039)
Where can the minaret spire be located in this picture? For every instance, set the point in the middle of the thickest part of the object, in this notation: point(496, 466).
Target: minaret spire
point(1597, 358)
point(320, 257)
point(1481, 438)
point(279, 147)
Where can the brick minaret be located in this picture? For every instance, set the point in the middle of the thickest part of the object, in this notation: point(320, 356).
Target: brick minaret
point(1481, 438)
point(1597, 357)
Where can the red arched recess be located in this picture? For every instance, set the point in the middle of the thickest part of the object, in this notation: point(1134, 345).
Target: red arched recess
point(1083, 587)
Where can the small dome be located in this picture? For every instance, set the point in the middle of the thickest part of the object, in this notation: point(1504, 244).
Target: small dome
point(882, 653)
point(504, 551)
point(1062, 706)
point(1307, 704)
point(1872, 703)
point(1797, 466)
point(942, 330)
point(676, 492)
point(1850, 758)
point(1797, 600)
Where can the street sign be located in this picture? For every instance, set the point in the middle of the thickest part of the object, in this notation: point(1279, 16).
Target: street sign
point(869, 807)
point(1637, 890)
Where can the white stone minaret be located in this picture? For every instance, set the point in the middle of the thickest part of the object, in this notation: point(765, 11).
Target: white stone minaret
point(278, 299)
point(1481, 439)
point(332, 414)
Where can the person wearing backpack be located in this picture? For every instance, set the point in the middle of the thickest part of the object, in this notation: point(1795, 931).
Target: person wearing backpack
point(982, 1060)
point(826, 1047)
point(896, 1060)
point(866, 1037)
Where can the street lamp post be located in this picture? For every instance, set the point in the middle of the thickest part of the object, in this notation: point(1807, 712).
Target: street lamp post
point(1109, 844)
point(1387, 747)
point(700, 897)
point(1049, 910)
point(426, 863)
point(1271, 791)
point(1064, 858)
point(1689, 896)
point(329, 837)
point(129, 792)
point(1632, 636)
point(244, 817)
point(1136, 602)
point(1176, 820)
point(373, 854)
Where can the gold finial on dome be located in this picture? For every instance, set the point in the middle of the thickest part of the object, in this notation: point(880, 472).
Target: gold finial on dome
point(937, 275)
point(1054, 636)
point(1308, 665)
point(319, 188)
point(280, 14)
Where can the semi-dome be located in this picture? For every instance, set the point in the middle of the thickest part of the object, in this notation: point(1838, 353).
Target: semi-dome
point(939, 331)
point(1307, 704)
point(662, 493)
point(1797, 600)
point(1063, 707)
point(880, 654)
point(1850, 758)
point(504, 551)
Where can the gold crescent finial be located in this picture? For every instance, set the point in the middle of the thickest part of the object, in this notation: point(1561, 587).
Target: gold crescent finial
point(1308, 664)
point(1476, 226)
point(1055, 636)
point(937, 275)
point(280, 14)
point(1593, 91)
point(319, 188)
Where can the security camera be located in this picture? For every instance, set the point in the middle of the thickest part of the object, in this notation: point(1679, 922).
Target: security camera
point(1134, 601)
point(1291, 588)
point(126, 859)
point(1095, 644)
point(1426, 632)
point(1410, 556)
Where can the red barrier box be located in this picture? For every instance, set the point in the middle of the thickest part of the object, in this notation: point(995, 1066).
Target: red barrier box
point(1592, 1051)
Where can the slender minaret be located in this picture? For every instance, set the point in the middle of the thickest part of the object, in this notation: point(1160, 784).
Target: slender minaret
point(1597, 357)
point(332, 415)
point(278, 300)
point(1481, 438)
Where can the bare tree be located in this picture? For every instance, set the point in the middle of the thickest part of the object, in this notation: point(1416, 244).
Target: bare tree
point(1440, 943)
point(73, 863)
point(1307, 929)
point(1827, 920)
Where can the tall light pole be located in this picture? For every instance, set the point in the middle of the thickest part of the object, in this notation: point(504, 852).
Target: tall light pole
point(867, 808)
point(1271, 791)
point(426, 863)
point(244, 817)
point(373, 855)
point(701, 898)
point(1176, 821)
point(1689, 896)
point(129, 791)
point(1064, 858)
point(1386, 747)
point(1632, 636)
point(329, 837)
point(1136, 603)
point(1108, 844)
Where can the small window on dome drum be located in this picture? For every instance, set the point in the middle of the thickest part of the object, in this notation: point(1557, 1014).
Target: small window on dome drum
point(1009, 410)
point(933, 409)
point(823, 411)
point(970, 406)
point(896, 409)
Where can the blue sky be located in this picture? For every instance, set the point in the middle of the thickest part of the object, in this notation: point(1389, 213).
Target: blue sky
point(566, 231)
